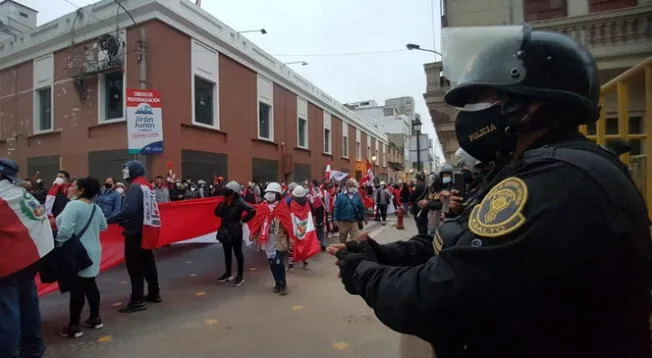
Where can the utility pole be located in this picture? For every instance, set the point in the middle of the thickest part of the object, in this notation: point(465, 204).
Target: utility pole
point(142, 83)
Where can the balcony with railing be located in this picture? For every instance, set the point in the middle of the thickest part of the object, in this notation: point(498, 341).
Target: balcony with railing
point(618, 38)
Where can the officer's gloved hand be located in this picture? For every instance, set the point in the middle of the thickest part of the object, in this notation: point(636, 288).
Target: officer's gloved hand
point(348, 262)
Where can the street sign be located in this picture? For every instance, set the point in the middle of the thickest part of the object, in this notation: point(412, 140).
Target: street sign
point(144, 122)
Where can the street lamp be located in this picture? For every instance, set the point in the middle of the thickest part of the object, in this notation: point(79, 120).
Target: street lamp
point(417, 47)
point(416, 128)
point(262, 31)
point(302, 63)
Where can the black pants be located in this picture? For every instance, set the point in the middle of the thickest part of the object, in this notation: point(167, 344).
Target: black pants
point(140, 266)
point(82, 289)
point(382, 209)
point(234, 247)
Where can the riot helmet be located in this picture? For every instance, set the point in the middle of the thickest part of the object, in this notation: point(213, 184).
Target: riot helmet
point(532, 64)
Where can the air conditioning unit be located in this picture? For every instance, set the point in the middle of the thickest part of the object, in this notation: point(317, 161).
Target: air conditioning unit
point(105, 55)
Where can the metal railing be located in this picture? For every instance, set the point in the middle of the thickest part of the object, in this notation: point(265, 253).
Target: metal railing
point(640, 165)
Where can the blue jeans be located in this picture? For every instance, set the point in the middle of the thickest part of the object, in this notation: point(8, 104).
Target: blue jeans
point(277, 267)
point(20, 319)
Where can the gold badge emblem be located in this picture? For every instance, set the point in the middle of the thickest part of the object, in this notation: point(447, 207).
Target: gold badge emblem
point(500, 212)
point(437, 243)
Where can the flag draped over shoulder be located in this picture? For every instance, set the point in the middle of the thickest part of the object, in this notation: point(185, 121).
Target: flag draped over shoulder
point(294, 218)
point(25, 233)
point(151, 217)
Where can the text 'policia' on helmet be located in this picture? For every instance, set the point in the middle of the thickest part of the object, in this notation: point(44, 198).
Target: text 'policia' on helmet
point(517, 60)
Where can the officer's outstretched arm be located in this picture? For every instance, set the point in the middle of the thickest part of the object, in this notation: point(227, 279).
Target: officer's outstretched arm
point(415, 251)
point(408, 299)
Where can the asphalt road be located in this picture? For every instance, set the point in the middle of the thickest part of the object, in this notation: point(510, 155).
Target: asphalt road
point(198, 318)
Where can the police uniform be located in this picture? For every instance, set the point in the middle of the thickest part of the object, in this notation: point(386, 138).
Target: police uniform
point(551, 258)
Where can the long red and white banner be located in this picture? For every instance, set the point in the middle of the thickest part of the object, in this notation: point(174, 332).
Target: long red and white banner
point(182, 220)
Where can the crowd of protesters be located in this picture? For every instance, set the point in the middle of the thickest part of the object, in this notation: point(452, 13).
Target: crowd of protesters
point(80, 208)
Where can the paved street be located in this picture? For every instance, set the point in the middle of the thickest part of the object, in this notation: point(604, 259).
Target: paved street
point(200, 319)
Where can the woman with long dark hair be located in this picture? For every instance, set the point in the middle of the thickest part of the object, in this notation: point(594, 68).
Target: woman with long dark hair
point(83, 220)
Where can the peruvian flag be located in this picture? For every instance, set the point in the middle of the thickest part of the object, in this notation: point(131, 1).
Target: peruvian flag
point(303, 232)
point(151, 217)
point(52, 195)
point(25, 233)
point(335, 175)
point(370, 174)
point(258, 227)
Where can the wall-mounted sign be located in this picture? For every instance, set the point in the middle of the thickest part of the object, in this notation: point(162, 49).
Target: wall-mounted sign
point(144, 122)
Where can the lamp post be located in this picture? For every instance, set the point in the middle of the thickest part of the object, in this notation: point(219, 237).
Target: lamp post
point(416, 128)
point(417, 47)
point(302, 63)
point(262, 31)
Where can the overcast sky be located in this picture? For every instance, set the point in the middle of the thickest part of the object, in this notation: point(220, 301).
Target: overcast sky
point(326, 27)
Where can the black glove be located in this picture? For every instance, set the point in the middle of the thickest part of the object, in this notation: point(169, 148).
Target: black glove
point(348, 262)
point(369, 245)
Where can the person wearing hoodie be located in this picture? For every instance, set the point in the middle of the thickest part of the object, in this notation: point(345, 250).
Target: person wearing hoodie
point(140, 262)
point(231, 212)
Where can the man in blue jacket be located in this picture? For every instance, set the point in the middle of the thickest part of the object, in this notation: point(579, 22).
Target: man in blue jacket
point(348, 212)
point(109, 200)
point(140, 262)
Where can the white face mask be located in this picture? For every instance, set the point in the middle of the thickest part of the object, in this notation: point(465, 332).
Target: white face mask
point(351, 190)
point(58, 181)
point(270, 197)
point(446, 180)
point(125, 173)
point(120, 190)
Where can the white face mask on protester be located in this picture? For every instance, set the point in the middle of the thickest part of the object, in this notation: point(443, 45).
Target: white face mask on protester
point(125, 173)
point(120, 190)
point(270, 197)
point(58, 181)
point(350, 190)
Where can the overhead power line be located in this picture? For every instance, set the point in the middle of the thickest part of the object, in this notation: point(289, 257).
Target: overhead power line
point(341, 54)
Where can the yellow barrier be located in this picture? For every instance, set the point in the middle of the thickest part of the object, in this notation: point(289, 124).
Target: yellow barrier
point(640, 164)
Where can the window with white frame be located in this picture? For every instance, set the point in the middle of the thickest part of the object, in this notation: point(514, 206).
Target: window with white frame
point(111, 96)
point(358, 145)
point(345, 140)
point(43, 97)
point(265, 108)
point(205, 108)
point(327, 133)
point(302, 123)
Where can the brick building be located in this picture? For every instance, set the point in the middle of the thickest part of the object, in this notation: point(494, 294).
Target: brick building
point(229, 108)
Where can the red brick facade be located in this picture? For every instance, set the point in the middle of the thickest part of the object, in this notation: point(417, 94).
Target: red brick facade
point(606, 5)
point(535, 10)
point(78, 132)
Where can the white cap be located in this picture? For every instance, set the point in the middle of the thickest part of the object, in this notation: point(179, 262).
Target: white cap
point(291, 186)
point(233, 185)
point(298, 192)
point(274, 187)
point(382, 183)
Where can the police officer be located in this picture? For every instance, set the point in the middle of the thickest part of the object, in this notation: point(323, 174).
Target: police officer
point(553, 256)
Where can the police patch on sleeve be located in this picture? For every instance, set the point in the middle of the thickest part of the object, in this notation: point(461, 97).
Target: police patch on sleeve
point(500, 212)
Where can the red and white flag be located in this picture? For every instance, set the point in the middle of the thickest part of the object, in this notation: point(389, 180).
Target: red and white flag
point(151, 217)
point(334, 175)
point(25, 233)
point(306, 243)
point(52, 195)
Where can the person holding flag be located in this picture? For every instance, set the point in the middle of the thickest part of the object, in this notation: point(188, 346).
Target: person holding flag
point(141, 222)
point(25, 237)
point(299, 205)
point(271, 227)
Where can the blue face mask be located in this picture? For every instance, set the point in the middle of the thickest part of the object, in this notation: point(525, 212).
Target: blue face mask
point(446, 180)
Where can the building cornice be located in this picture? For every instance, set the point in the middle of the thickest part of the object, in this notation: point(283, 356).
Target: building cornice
point(100, 18)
